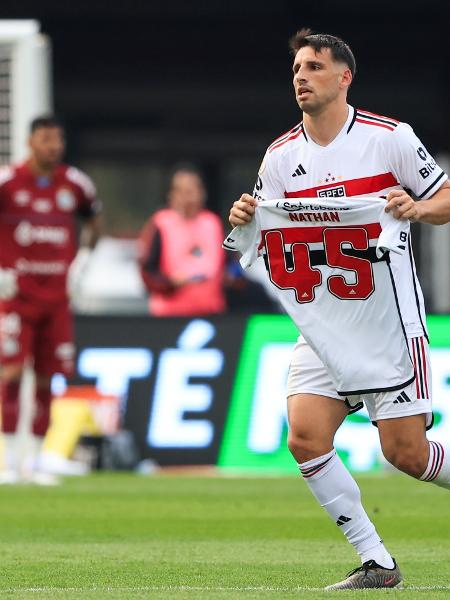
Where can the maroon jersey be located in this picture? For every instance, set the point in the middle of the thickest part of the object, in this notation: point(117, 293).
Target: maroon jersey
point(38, 226)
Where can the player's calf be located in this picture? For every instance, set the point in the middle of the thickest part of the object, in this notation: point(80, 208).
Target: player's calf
point(410, 459)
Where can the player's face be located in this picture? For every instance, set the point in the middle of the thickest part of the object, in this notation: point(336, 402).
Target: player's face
point(47, 146)
point(186, 194)
point(318, 79)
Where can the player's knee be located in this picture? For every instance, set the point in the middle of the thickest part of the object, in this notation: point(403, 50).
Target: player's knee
point(11, 374)
point(43, 382)
point(304, 448)
point(409, 459)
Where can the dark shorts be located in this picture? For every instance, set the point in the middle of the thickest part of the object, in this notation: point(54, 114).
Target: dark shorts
point(42, 333)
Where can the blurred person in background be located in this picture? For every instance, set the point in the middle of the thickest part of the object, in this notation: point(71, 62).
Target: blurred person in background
point(180, 256)
point(40, 267)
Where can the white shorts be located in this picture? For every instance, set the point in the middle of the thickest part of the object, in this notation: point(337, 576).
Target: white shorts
point(308, 375)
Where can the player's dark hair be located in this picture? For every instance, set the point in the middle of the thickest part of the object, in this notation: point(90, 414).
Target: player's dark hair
point(46, 121)
point(186, 167)
point(340, 51)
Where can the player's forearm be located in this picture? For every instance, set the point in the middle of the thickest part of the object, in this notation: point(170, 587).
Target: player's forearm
point(436, 210)
point(90, 233)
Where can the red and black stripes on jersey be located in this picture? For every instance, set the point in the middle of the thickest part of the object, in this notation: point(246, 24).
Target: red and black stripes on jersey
point(435, 462)
point(292, 134)
point(360, 116)
point(368, 118)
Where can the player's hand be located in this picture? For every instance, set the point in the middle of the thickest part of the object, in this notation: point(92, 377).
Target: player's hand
point(77, 271)
point(8, 284)
point(402, 206)
point(242, 210)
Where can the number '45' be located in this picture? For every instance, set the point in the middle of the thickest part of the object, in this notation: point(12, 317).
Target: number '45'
point(303, 278)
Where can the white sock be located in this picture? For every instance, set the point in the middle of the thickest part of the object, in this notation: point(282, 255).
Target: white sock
point(337, 492)
point(10, 457)
point(34, 453)
point(438, 468)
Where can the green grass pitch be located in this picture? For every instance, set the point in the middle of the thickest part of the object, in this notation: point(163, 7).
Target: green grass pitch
point(129, 536)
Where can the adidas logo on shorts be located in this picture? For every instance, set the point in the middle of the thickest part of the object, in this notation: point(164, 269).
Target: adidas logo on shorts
point(402, 398)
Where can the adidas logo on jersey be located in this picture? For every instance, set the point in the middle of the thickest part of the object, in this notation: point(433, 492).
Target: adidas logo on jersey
point(402, 398)
point(299, 171)
point(342, 519)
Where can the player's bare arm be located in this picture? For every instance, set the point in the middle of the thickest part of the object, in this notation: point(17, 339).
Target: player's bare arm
point(434, 211)
point(89, 235)
point(90, 232)
point(242, 210)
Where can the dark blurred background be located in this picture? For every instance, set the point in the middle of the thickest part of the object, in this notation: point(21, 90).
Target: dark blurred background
point(144, 84)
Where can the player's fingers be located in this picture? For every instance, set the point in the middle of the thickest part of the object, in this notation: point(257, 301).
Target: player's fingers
point(248, 199)
point(245, 207)
point(244, 215)
point(239, 217)
point(409, 213)
point(397, 202)
point(391, 205)
point(395, 194)
point(405, 211)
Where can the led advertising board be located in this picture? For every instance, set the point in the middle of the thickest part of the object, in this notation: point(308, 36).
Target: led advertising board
point(212, 391)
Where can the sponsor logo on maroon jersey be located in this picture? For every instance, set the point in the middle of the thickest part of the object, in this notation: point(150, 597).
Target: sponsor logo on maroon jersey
point(26, 234)
point(35, 267)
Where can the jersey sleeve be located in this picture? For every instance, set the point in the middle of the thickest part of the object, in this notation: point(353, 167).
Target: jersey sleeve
point(268, 185)
point(88, 204)
point(6, 174)
point(411, 163)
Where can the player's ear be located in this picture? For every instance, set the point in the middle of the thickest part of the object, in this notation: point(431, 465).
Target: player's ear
point(346, 78)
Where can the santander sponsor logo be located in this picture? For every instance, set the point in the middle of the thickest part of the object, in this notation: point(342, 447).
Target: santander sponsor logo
point(26, 234)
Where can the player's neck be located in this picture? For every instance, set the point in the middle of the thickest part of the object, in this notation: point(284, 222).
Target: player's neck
point(324, 127)
point(40, 170)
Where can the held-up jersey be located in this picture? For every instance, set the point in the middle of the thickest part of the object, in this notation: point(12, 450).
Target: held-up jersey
point(330, 262)
point(370, 156)
point(38, 226)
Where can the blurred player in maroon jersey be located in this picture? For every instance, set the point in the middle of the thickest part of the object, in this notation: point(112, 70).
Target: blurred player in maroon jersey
point(40, 201)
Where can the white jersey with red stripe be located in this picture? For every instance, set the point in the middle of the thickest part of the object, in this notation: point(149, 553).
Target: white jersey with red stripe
point(370, 156)
point(330, 263)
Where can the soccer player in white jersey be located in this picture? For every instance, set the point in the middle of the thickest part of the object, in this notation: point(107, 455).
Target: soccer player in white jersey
point(338, 150)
